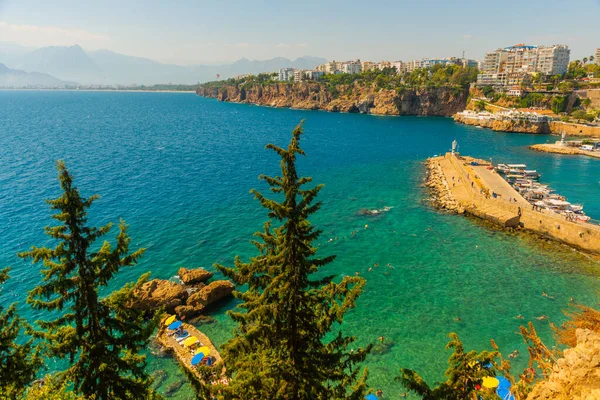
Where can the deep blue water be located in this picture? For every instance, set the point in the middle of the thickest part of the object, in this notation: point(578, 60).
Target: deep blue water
point(178, 168)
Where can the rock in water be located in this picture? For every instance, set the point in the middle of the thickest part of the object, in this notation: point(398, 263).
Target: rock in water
point(173, 388)
point(159, 293)
point(209, 294)
point(193, 276)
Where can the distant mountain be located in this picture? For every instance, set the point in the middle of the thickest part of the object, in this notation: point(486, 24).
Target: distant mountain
point(108, 68)
point(69, 63)
point(13, 78)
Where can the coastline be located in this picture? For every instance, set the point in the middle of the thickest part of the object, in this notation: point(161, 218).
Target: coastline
point(557, 149)
point(521, 126)
point(356, 99)
point(96, 90)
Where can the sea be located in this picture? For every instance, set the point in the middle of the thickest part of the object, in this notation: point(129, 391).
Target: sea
point(179, 168)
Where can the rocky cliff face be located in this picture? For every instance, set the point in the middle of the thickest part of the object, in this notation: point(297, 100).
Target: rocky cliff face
point(506, 126)
point(576, 376)
point(349, 98)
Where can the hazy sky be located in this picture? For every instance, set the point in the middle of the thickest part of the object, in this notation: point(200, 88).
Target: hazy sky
point(198, 31)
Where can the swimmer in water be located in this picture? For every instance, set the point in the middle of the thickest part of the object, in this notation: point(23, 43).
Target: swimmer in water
point(514, 354)
point(520, 317)
point(370, 269)
point(381, 339)
point(457, 319)
point(541, 317)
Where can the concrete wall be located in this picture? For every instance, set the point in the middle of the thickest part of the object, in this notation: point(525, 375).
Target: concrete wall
point(582, 236)
point(558, 128)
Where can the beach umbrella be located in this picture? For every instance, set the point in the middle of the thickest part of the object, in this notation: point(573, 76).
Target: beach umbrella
point(170, 320)
point(203, 349)
point(190, 341)
point(490, 382)
point(371, 397)
point(175, 325)
point(503, 389)
point(197, 358)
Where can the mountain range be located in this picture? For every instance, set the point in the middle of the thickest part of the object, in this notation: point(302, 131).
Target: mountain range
point(14, 78)
point(105, 67)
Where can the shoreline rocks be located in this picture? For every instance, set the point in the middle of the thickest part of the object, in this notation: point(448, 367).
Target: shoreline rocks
point(575, 376)
point(184, 299)
point(351, 98)
point(441, 196)
point(552, 148)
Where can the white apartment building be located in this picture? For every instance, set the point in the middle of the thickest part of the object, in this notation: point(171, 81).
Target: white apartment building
point(352, 67)
point(368, 65)
point(286, 74)
point(314, 75)
point(597, 56)
point(298, 75)
point(412, 65)
point(399, 65)
point(548, 60)
point(553, 60)
point(331, 67)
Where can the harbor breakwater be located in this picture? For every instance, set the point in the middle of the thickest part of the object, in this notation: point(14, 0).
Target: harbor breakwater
point(351, 98)
point(460, 187)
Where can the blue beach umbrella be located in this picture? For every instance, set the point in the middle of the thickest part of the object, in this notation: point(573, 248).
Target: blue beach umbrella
point(371, 397)
point(197, 358)
point(503, 389)
point(174, 325)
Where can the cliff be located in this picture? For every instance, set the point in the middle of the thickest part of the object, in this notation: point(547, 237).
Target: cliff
point(576, 376)
point(355, 98)
point(505, 126)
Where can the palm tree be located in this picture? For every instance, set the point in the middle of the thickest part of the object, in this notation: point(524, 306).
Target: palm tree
point(585, 60)
point(591, 59)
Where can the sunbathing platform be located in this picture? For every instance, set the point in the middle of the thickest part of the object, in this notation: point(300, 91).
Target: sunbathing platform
point(184, 347)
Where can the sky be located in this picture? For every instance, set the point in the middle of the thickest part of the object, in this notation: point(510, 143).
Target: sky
point(210, 32)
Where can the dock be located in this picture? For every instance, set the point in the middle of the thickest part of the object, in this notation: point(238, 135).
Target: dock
point(183, 354)
point(469, 185)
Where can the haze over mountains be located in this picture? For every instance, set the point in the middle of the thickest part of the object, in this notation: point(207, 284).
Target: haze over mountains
point(104, 67)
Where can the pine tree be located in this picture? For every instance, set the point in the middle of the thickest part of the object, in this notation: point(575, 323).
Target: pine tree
point(100, 336)
point(19, 363)
point(465, 371)
point(282, 347)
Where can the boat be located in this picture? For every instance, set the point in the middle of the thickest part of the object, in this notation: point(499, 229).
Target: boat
point(531, 174)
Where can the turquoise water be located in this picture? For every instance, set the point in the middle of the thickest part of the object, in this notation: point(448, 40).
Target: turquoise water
point(179, 168)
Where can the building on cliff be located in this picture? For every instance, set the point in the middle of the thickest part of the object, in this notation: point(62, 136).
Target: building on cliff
point(520, 61)
point(286, 74)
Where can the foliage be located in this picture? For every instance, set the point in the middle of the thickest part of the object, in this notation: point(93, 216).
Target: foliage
point(532, 100)
point(19, 363)
point(465, 373)
point(50, 388)
point(480, 105)
point(583, 115)
point(578, 70)
point(101, 337)
point(283, 347)
point(559, 104)
point(581, 317)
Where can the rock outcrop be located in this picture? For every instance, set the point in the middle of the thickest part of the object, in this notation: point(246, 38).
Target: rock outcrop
point(505, 126)
point(436, 101)
point(159, 293)
point(204, 297)
point(189, 298)
point(193, 276)
point(576, 376)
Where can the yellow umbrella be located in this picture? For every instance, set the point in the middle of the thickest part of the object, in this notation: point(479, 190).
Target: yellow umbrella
point(190, 341)
point(204, 350)
point(170, 320)
point(490, 382)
